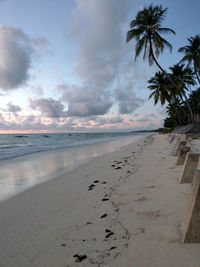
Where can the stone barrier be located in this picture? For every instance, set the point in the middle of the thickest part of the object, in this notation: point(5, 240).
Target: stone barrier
point(182, 155)
point(191, 222)
point(180, 145)
point(189, 168)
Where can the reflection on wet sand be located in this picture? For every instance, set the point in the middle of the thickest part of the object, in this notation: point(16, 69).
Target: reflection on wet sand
point(24, 172)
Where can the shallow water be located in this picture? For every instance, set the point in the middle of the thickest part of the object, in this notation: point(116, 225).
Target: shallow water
point(21, 173)
point(12, 146)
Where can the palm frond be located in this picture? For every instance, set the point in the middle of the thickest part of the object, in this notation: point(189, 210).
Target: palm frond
point(166, 30)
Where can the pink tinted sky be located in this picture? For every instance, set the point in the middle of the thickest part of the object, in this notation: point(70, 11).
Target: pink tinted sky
point(68, 69)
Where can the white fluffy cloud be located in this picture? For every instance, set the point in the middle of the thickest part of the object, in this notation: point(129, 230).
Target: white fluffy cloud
point(17, 50)
point(101, 59)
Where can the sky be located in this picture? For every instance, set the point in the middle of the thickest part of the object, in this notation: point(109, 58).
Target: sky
point(65, 65)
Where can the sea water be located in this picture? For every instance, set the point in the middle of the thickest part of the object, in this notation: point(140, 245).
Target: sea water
point(12, 146)
point(27, 160)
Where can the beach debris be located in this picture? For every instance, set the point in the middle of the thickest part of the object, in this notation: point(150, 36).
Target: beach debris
point(89, 223)
point(113, 165)
point(96, 181)
point(103, 182)
point(90, 187)
point(105, 199)
point(112, 248)
point(117, 168)
point(63, 245)
point(103, 216)
point(109, 233)
point(80, 258)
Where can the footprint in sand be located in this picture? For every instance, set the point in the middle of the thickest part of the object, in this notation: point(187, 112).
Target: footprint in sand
point(117, 168)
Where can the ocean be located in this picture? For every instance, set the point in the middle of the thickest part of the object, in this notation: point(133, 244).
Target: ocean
point(14, 145)
point(28, 160)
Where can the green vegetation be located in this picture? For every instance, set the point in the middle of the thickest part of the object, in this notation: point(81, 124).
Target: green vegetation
point(178, 87)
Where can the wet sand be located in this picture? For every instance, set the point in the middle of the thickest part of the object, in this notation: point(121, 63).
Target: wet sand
point(121, 209)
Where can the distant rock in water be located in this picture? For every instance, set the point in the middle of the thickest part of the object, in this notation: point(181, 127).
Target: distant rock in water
point(21, 136)
point(46, 136)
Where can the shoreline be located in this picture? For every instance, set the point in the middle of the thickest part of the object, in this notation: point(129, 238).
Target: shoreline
point(20, 173)
point(121, 209)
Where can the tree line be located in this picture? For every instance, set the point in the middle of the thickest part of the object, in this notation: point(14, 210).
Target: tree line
point(178, 87)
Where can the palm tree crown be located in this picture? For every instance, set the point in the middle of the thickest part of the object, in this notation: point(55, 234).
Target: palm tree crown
point(159, 84)
point(192, 54)
point(146, 29)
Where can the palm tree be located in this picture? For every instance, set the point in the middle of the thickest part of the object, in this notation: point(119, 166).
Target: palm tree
point(159, 84)
point(192, 54)
point(146, 30)
point(183, 77)
point(176, 111)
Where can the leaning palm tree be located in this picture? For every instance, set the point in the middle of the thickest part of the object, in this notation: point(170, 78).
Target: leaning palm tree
point(192, 54)
point(159, 84)
point(146, 30)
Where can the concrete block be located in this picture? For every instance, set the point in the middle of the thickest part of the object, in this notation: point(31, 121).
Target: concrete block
point(189, 168)
point(182, 155)
point(191, 222)
point(180, 145)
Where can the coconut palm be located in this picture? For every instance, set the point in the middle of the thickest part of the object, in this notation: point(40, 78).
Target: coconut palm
point(146, 29)
point(192, 54)
point(159, 84)
point(182, 77)
point(176, 110)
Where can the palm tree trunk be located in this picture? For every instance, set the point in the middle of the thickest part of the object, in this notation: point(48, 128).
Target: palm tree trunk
point(188, 105)
point(167, 75)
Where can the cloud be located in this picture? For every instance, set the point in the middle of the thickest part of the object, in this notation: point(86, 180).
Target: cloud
point(128, 101)
point(13, 108)
point(101, 121)
point(48, 107)
point(83, 102)
point(17, 51)
point(116, 119)
point(101, 61)
point(37, 90)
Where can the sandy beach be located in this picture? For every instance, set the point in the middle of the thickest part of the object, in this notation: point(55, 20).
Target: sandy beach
point(120, 209)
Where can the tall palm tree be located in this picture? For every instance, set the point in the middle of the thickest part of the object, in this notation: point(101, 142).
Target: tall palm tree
point(192, 54)
point(159, 84)
point(146, 30)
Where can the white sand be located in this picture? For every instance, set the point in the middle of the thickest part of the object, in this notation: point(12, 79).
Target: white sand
point(47, 224)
